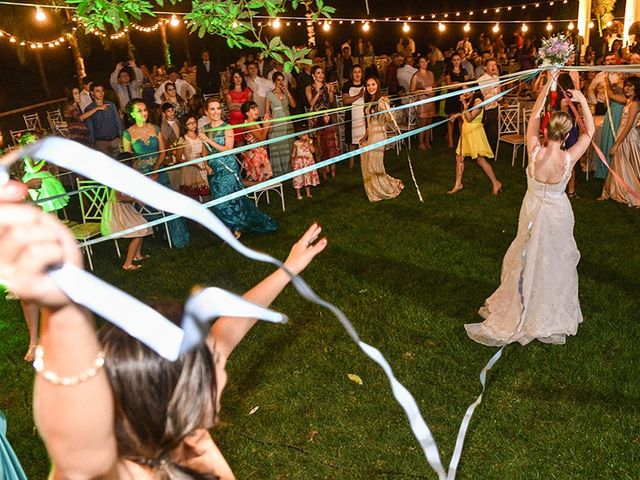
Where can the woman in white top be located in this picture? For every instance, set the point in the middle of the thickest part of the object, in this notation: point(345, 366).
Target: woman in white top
point(353, 94)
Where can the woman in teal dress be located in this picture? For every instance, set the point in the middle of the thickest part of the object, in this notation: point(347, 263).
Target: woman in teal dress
point(144, 140)
point(239, 214)
point(279, 101)
point(608, 136)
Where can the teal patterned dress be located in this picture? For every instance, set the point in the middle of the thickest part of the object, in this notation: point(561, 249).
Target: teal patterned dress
point(608, 137)
point(10, 468)
point(239, 214)
point(147, 153)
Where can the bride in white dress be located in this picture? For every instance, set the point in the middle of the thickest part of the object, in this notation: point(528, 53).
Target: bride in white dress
point(538, 294)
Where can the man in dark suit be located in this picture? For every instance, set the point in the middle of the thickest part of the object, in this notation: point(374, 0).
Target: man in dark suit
point(208, 75)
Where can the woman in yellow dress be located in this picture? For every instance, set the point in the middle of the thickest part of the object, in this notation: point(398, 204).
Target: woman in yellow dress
point(473, 141)
point(377, 183)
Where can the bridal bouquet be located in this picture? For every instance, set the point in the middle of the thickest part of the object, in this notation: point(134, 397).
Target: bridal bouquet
point(555, 52)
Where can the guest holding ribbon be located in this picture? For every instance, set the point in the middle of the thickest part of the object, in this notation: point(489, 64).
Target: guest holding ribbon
point(145, 141)
point(279, 102)
point(106, 405)
point(239, 214)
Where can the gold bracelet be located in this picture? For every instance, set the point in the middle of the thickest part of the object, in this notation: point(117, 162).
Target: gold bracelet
point(54, 378)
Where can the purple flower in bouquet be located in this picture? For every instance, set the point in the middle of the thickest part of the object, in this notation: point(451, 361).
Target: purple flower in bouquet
point(555, 52)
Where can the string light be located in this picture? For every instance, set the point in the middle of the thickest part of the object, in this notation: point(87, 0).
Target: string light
point(524, 28)
point(466, 27)
point(571, 26)
point(549, 27)
point(365, 26)
point(609, 23)
point(276, 23)
point(441, 27)
point(591, 25)
point(405, 27)
point(496, 28)
point(326, 27)
point(40, 15)
point(174, 21)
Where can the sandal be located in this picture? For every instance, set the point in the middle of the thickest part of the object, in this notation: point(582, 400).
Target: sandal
point(31, 353)
point(132, 267)
point(142, 258)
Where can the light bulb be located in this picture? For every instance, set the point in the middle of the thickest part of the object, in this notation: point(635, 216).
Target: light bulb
point(276, 24)
point(326, 27)
point(466, 27)
point(485, 11)
point(524, 27)
point(12, 39)
point(591, 25)
point(405, 27)
point(549, 27)
point(234, 25)
point(496, 28)
point(571, 26)
point(609, 23)
point(441, 26)
point(174, 22)
point(365, 27)
point(40, 15)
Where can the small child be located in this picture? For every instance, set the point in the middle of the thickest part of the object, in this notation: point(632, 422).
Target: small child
point(302, 156)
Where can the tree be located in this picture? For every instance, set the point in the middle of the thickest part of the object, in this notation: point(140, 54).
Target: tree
point(602, 9)
point(230, 19)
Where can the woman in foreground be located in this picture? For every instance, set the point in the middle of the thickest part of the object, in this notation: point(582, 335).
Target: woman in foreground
point(538, 294)
point(98, 402)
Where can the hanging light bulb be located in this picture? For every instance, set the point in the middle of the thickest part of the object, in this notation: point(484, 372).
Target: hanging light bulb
point(433, 15)
point(524, 28)
point(591, 25)
point(523, 7)
point(174, 22)
point(571, 26)
point(466, 27)
point(609, 23)
point(40, 15)
point(441, 27)
point(471, 12)
point(497, 10)
point(549, 27)
point(405, 27)
point(485, 11)
point(276, 23)
point(365, 27)
point(13, 40)
point(326, 27)
point(509, 8)
point(496, 28)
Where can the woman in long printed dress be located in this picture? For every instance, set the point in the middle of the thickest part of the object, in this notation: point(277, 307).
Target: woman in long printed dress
point(320, 96)
point(239, 214)
point(280, 102)
point(144, 140)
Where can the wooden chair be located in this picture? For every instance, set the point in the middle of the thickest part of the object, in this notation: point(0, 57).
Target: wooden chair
point(32, 121)
point(57, 123)
point(509, 131)
point(16, 134)
point(93, 197)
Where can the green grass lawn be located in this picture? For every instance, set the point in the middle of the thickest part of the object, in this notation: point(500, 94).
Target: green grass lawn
point(408, 275)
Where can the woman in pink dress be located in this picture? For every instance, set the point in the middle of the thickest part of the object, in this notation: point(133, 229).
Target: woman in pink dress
point(238, 95)
point(256, 160)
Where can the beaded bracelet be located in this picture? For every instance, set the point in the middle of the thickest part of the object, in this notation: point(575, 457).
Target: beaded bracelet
point(54, 378)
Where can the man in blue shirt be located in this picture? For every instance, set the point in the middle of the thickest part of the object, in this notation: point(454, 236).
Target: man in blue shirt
point(105, 125)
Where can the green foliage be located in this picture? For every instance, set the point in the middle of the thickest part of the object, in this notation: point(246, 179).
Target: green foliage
point(230, 19)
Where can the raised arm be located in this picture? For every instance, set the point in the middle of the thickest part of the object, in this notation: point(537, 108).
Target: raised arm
point(76, 422)
point(577, 150)
point(533, 129)
point(612, 95)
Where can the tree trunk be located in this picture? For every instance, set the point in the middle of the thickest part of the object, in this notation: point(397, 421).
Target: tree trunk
point(165, 45)
point(43, 75)
point(131, 51)
point(77, 57)
point(311, 32)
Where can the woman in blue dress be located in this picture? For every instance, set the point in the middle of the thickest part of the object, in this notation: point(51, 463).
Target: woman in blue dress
point(239, 214)
point(144, 140)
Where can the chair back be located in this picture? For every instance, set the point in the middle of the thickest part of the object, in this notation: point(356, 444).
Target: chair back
point(93, 197)
point(508, 120)
point(511, 100)
point(526, 115)
point(16, 134)
point(54, 116)
point(32, 121)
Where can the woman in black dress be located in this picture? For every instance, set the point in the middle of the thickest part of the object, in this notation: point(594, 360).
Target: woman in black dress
point(455, 74)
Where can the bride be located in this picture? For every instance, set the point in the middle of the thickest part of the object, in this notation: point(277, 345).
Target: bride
point(538, 294)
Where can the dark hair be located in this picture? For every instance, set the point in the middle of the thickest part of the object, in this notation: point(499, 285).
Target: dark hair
point(68, 92)
point(252, 62)
point(158, 402)
point(246, 106)
point(166, 106)
point(243, 84)
point(634, 82)
point(172, 84)
point(86, 81)
point(128, 109)
point(425, 58)
point(172, 69)
point(487, 60)
point(367, 97)
point(565, 81)
point(315, 68)
point(97, 84)
point(275, 75)
point(186, 118)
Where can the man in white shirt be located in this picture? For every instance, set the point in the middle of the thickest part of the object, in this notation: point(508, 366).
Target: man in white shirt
point(465, 45)
point(183, 88)
point(405, 73)
point(85, 94)
point(490, 119)
point(596, 91)
point(288, 79)
point(258, 85)
point(126, 88)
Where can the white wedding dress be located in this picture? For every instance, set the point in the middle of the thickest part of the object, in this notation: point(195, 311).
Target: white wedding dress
point(538, 294)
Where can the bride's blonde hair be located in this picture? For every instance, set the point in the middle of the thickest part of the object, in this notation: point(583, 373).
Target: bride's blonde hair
point(559, 126)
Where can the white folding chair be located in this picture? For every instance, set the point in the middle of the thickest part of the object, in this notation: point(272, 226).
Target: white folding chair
point(509, 131)
point(32, 121)
point(57, 123)
point(255, 196)
point(150, 213)
point(407, 119)
point(16, 134)
point(93, 197)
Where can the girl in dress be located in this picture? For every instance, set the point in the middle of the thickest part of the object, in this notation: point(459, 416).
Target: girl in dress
point(538, 294)
point(422, 84)
point(320, 96)
point(178, 103)
point(119, 214)
point(377, 183)
point(193, 178)
point(473, 141)
point(301, 157)
point(256, 160)
point(279, 102)
point(625, 152)
point(353, 94)
point(238, 95)
point(239, 214)
point(455, 74)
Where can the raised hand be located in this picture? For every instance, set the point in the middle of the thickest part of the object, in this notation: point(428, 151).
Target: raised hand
point(305, 249)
